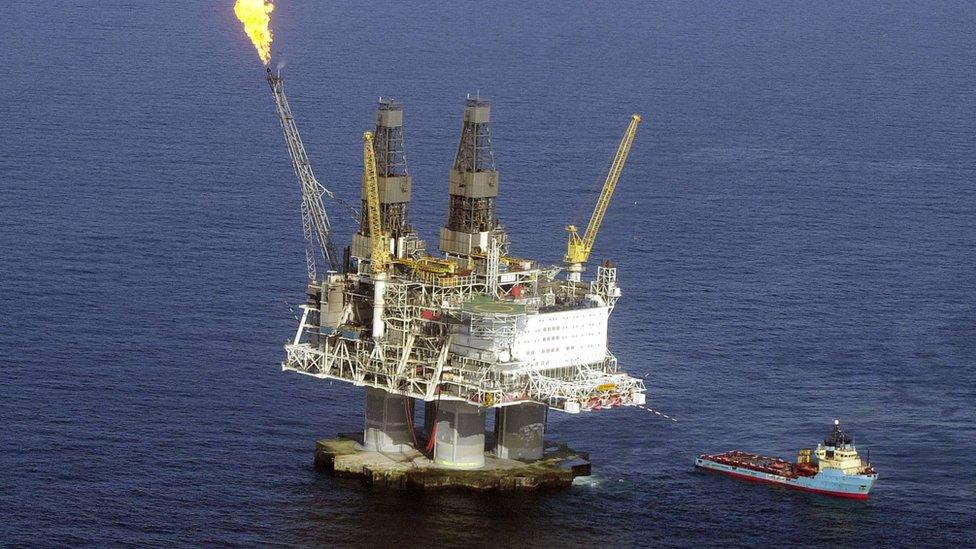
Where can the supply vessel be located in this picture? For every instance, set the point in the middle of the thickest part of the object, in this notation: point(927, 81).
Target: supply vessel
point(838, 471)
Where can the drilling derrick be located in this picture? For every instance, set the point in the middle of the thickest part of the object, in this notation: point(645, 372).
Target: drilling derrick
point(393, 185)
point(472, 220)
point(393, 178)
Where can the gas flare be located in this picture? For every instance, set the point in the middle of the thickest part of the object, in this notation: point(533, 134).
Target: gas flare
point(256, 16)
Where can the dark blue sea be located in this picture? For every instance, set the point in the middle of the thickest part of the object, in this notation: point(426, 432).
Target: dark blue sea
point(795, 234)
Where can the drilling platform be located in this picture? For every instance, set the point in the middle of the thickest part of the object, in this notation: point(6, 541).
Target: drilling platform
point(468, 330)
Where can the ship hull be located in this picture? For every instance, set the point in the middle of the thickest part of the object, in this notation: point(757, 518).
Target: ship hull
point(828, 483)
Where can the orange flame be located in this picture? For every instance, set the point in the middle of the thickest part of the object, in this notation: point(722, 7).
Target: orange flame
point(256, 16)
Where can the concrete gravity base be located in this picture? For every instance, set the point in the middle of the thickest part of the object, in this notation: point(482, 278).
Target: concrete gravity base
point(345, 457)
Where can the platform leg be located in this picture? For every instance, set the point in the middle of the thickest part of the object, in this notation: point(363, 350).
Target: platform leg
point(519, 431)
point(430, 410)
point(386, 426)
point(460, 435)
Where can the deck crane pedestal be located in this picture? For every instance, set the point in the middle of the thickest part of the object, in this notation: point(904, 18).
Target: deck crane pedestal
point(578, 248)
point(315, 222)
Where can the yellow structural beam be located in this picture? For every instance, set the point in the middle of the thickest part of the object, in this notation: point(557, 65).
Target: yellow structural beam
point(578, 248)
point(379, 252)
point(429, 265)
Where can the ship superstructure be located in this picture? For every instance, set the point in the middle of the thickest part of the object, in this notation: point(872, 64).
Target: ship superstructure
point(466, 332)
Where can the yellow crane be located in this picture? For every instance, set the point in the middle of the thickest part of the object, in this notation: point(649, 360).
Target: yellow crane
point(579, 247)
point(379, 241)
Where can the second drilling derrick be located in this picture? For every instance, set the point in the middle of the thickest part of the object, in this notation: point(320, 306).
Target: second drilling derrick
point(472, 219)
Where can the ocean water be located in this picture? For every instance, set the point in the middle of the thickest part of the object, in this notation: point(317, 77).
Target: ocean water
point(795, 234)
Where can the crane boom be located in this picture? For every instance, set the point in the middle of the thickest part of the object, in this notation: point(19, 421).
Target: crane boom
point(315, 221)
point(379, 241)
point(379, 252)
point(578, 248)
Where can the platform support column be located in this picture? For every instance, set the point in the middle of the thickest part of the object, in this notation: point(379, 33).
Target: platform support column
point(459, 440)
point(519, 431)
point(430, 410)
point(387, 428)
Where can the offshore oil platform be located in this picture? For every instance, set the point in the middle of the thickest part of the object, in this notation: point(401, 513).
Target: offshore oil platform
point(466, 331)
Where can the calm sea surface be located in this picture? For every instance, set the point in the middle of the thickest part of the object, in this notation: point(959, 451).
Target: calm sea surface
point(795, 233)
